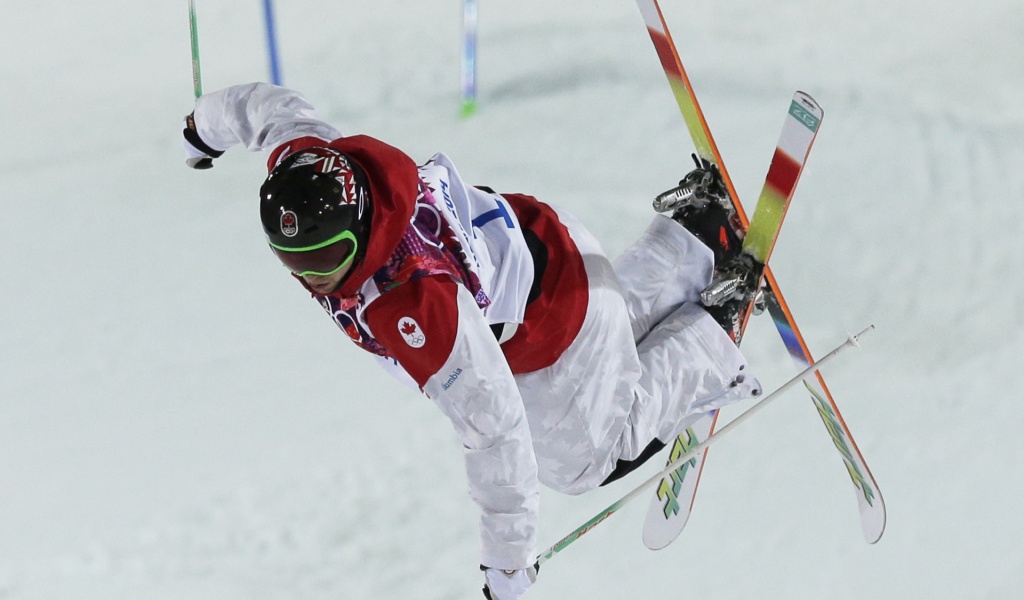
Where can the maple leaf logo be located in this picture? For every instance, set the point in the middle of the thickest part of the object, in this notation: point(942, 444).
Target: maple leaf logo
point(410, 331)
point(289, 224)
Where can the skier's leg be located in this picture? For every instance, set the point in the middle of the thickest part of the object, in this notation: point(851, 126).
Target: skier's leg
point(577, 408)
point(664, 268)
point(605, 400)
point(688, 368)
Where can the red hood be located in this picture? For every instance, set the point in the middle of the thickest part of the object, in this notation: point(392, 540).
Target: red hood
point(394, 187)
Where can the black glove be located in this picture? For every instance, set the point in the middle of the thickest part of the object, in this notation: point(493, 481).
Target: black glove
point(200, 155)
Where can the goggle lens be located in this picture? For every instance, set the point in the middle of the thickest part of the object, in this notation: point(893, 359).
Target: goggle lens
point(322, 261)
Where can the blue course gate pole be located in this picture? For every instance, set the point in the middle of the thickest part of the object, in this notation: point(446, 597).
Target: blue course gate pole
point(275, 69)
point(469, 35)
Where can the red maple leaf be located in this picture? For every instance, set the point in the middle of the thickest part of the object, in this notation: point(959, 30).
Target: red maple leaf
point(408, 328)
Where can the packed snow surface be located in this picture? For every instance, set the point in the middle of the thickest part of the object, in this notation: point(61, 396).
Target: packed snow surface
point(178, 419)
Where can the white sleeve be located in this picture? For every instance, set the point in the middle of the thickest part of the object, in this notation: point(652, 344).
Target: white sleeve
point(395, 370)
point(484, 404)
point(260, 116)
point(447, 347)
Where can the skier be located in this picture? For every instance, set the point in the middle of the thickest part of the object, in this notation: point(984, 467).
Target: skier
point(554, 365)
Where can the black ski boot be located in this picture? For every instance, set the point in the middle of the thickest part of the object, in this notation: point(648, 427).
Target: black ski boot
point(734, 288)
point(701, 204)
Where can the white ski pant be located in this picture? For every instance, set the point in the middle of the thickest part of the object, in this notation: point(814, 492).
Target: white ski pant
point(646, 364)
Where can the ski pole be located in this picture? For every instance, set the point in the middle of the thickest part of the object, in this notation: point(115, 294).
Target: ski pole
point(275, 64)
point(197, 80)
point(613, 508)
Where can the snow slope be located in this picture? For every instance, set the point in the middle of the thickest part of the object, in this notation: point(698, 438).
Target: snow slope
point(178, 421)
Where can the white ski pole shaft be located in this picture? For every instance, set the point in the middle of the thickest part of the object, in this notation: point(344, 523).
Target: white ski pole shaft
point(612, 509)
point(197, 79)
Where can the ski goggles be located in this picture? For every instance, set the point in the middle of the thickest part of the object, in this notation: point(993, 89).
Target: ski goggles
point(324, 259)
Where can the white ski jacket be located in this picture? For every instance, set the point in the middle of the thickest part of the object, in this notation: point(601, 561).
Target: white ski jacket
point(447, 277)
point(552, 364)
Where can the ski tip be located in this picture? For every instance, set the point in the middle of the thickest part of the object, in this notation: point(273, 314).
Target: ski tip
point(872, 536)
point(809, 103)
point(805, 97)
point(873, 515)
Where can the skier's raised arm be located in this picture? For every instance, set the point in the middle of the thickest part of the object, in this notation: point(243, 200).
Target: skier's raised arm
point(259, 116)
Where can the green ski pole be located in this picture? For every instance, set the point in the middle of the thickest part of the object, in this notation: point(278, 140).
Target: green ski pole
point(197, 79)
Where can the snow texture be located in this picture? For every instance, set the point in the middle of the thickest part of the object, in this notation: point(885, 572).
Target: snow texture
point(177, 419)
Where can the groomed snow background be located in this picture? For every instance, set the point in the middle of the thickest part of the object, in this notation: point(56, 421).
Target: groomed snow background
point(178, 421)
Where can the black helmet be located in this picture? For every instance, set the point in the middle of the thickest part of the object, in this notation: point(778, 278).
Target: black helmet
point(315, 208)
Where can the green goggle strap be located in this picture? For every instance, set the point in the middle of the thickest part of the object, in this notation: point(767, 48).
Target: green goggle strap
point(343, 236)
